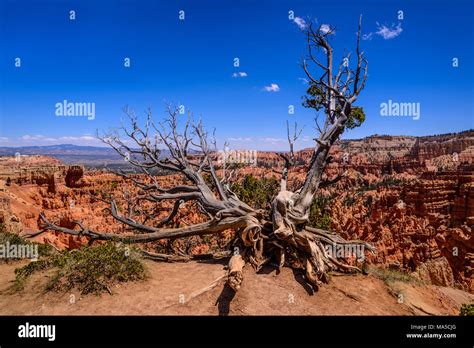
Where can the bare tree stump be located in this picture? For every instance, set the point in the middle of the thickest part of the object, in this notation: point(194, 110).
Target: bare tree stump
point(235, 277)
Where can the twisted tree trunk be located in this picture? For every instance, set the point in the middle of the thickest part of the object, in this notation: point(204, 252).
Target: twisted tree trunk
point(285, 237)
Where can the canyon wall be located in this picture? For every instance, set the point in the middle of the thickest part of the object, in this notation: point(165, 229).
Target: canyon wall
point(412, 197)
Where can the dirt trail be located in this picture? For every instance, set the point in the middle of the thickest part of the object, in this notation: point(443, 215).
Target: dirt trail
point(199, 289)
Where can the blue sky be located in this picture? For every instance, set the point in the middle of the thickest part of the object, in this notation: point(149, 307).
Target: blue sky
point(191, 62)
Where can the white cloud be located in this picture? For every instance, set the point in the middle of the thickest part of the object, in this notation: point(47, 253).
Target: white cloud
point(40, 140)
point(300, 22)
point(367, 36)
point(325, 28)
point(68, 138)
point(384, 31)
point(389, 33)
point(239, 74)
point(272, 140)
point(272, 88)
point(239, 139)
point(304, 80)
point(3, 139)
point(28, 137)
point(83, 138)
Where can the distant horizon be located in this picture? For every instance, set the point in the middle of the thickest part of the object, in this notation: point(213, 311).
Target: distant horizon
point(276, 150)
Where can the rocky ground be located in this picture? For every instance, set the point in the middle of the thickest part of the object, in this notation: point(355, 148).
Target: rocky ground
point(199, 289)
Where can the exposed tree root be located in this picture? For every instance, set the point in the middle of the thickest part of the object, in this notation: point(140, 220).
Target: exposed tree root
point(184, 258)
point(235, 275)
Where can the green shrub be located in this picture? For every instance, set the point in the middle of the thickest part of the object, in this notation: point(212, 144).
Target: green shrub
point(390, 275)
point(348, 201)
point(319, 216)
point(257, 193)
point(467, 309)
point(386, 182)
point(23, 273)
point(90, 269)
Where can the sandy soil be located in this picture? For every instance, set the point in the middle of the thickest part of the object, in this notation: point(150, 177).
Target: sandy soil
point(199, 289)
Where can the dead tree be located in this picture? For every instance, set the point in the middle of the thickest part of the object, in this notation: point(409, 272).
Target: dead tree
point(281, 234)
